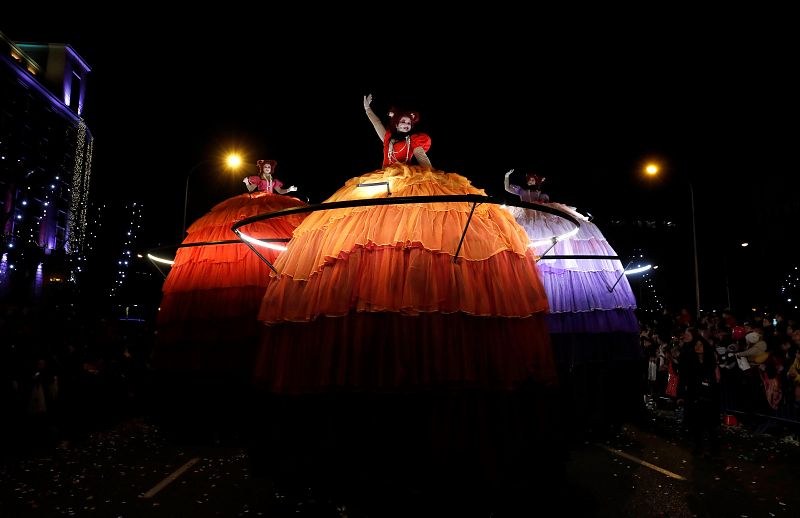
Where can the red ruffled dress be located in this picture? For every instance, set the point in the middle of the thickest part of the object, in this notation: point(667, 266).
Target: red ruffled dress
point(207, 318)
point(265, 185)
point(378, 343)
point(402, 151)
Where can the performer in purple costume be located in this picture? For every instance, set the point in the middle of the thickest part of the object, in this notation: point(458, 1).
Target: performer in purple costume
point(592, 321)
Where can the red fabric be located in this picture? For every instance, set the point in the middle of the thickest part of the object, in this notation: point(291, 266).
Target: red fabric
point(212, 293)
point(672, 382)
point(772, 389)
point(393, 352)
point(402, 152)
point(265, 186)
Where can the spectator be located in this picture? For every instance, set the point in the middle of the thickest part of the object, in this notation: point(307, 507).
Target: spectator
point(699, 383)
point(793, 375)
point(757, 347)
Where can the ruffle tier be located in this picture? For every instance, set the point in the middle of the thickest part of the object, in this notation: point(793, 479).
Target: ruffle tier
point(576, 285)
point(542, 226)
point(216, 226)
point(408, 281)
point(400, 257)
point(591, 319)
point(390, 352)
point(436, 227)
point(370, 298)
point(579, 292)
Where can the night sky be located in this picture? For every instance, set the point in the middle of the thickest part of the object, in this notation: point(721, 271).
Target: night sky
point(586, 109)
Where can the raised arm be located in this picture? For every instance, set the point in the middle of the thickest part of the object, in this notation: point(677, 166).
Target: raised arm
point(374, 119)
point(510, 187)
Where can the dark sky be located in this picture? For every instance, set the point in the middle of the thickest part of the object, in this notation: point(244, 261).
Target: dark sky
point(712, 101)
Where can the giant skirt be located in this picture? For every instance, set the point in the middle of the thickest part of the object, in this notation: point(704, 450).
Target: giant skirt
point(207, 328)
point(207, 321)
point(381, 344)
point(592, 320)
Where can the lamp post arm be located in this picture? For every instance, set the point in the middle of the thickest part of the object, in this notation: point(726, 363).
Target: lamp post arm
point(186, 196)
point(694, 248)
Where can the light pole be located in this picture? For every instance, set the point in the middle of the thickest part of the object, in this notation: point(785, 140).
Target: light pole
point(652, 170)
point(186, 195)
point(727, 266)
point(694, 248)
point(233, 160)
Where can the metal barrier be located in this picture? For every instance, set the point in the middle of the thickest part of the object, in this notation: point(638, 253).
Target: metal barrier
point(742, 396)
point(743, 393)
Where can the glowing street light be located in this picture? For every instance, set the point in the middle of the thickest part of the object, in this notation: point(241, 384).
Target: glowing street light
point(652, 169)
point(232, 160)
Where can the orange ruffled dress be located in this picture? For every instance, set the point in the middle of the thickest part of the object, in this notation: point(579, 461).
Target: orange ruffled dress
point(369, 298)
point(382, 355)
point(207, 319)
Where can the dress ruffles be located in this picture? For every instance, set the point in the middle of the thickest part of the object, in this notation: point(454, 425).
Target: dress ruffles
point(592, 321)
point(371, 297)
point(207, 318)
point(385, 355)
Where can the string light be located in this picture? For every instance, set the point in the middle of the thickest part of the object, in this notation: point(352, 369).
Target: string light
point(79, 201)
point(128, 241)
point(788, 287)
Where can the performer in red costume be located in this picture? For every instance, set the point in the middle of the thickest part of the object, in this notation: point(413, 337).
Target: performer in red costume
point(264, 181)
point(383, 353)
point(399, 143)
point(207, 327)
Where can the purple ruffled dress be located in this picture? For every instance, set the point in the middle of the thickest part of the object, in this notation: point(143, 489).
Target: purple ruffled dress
point(592, 322)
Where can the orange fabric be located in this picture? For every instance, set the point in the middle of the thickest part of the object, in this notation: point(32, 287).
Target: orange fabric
point(400, 258)
point(436, 227)
point(410, 281)
point(369, 298)
point(231, 265)
point(213, 292)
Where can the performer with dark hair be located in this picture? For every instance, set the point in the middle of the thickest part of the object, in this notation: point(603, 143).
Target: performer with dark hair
point(264, 181)
point(532, 193)
point(399, 143)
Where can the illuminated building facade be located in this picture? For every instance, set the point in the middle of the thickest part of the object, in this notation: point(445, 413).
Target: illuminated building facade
point(45, 167)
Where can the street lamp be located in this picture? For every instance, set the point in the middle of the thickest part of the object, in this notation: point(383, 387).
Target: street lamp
point(726, 267)
point(232, 160)
point(652, 170)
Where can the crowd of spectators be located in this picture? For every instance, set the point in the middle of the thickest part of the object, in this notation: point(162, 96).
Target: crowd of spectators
point(61, 374)
point(756, 360)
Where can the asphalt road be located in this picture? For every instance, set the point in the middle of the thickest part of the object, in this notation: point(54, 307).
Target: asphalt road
point(133, 468)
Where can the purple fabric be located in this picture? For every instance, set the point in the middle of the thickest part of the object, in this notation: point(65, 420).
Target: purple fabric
point(576, 285)
point(616, 320)
point(574, 291)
